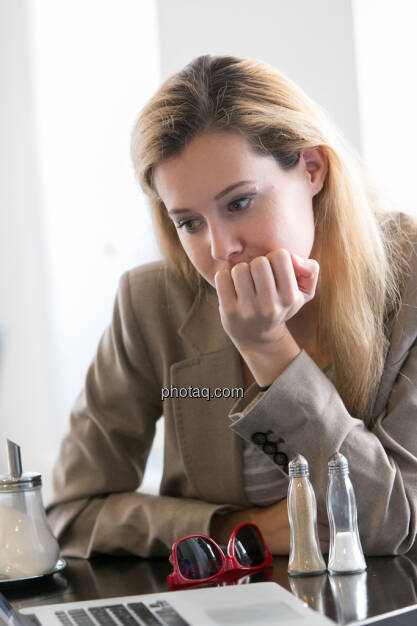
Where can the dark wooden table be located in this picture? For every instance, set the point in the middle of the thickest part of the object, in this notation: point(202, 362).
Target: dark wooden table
point(389, 583)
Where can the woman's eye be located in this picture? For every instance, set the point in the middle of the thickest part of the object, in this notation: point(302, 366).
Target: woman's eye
point(189, 225)
point(236, 204)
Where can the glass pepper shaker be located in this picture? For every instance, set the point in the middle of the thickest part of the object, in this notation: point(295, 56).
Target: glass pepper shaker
point(306, 558)
point(345, 554)
point(28, 547)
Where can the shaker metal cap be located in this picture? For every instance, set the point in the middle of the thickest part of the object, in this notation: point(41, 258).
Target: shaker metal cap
point(298, 466)
point(338, 464)
point(16, 480)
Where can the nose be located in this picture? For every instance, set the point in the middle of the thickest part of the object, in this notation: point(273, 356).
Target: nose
point(225, 243)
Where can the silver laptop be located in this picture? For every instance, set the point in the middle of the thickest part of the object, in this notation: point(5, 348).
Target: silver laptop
point(253, 604)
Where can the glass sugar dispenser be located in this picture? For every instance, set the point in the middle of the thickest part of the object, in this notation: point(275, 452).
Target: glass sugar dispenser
point(306, 558)
point(345, 554)
point(28, 547)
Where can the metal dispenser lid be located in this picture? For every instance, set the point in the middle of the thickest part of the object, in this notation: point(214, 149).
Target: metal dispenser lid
point(16, 480)
point(338, 464)
point(298, 466)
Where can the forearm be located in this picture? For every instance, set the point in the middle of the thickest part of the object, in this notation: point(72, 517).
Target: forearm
point(128, 523)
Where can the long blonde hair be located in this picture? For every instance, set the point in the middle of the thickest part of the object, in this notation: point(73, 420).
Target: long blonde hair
point(362, 250)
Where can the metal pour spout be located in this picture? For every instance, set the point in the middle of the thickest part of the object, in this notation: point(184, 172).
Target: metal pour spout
point(15, 460)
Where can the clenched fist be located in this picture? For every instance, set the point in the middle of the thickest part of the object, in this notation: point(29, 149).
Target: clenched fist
point(257, 298)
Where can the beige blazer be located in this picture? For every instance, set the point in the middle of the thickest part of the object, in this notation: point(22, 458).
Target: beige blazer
point(161, 335)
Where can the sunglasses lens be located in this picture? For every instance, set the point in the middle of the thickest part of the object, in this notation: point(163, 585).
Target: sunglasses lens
point(249, 548)
point(198, 558)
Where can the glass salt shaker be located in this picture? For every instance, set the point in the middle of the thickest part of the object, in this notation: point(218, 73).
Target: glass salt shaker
point(345, 554)
point(28, 547)
point(306, 558)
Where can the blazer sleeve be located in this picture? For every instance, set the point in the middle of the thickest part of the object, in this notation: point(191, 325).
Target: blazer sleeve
point(95, 506)
point(304, 409)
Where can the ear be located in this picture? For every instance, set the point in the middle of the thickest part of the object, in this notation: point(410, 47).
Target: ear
point(316, 165)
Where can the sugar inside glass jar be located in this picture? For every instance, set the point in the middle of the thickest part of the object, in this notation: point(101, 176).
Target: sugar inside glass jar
point(28, 547)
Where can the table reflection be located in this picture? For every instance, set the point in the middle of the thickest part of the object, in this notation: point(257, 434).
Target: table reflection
point(389, 583)
point(350, 596)
point(310, 589)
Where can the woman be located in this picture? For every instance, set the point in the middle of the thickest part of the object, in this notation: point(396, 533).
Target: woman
point(282, 276)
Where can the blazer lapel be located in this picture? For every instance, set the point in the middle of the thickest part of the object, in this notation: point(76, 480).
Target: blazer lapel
point(212, 453)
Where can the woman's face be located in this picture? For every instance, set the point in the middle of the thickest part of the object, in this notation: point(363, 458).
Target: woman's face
point(232, 205)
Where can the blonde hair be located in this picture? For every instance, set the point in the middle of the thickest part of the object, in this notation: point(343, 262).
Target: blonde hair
point(362, 250)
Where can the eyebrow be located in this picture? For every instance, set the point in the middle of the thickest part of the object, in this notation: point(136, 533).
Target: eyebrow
point(219, 195)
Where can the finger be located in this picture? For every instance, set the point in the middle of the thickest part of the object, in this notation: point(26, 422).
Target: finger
point(243, 282)
point(307, 273)
point(301, 266)
point(225, 290)
point(264, 282)
point(284, 274)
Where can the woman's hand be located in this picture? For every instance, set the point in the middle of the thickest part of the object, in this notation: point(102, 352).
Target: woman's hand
point(255, 301)
point(272, 522)
point(257, 298)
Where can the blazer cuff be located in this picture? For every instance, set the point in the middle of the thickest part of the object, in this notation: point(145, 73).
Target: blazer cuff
point(254, 393)
point(302, 412)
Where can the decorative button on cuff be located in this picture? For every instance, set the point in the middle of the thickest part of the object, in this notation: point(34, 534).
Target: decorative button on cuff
point(259, 438)
point(271, 448)
point(281, 458)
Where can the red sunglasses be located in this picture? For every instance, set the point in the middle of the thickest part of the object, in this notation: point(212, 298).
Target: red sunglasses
point(198, 558)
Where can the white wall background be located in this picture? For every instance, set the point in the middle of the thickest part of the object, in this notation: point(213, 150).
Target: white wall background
point(91, 76)
point(28, 386)
point(311, 42)
point(386, 53)
point(73, 77)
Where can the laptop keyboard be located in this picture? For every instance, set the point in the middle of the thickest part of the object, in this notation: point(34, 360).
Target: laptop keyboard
point(132, 614)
